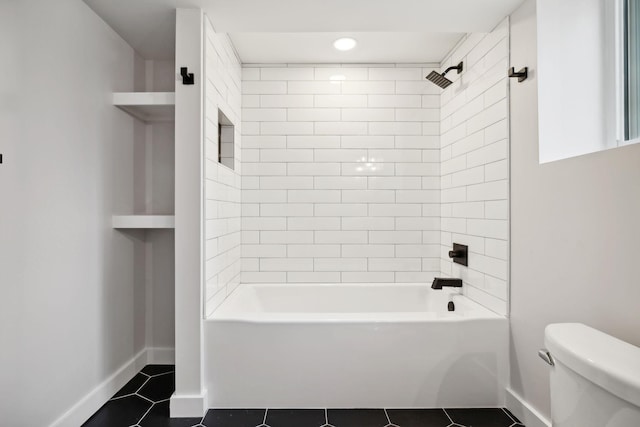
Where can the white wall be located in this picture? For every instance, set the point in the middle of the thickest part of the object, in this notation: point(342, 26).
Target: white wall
point(71, 312)
point(475, 166)
point(574, 234)
point(340, 178)
point(222, 184)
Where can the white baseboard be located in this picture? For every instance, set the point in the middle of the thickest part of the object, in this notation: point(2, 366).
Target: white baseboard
point(88, 405)
point(188, 405)
point(524, 411)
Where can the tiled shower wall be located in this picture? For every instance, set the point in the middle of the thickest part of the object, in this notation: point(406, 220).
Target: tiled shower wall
point(222, 184)
point(475, 166)
point(341, 174)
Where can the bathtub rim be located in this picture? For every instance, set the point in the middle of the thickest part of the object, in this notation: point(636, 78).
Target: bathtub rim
point(478, 312)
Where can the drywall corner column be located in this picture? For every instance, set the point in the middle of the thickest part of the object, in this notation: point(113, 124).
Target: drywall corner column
point(189, 399)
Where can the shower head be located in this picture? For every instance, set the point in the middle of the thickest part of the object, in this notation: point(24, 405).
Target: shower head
point(440, 79)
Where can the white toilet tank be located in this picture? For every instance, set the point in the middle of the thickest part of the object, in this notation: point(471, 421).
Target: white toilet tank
point(595, 378)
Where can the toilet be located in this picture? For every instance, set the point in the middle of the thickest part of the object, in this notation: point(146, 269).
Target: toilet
point(595, 378)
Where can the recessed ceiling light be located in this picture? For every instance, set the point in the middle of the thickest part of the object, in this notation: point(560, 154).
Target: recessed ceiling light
point(345, 43)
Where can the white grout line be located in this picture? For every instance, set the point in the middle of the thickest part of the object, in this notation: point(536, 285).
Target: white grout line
point(264, 420)
point(447, 414)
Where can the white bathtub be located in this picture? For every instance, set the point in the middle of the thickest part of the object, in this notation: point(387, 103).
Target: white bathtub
point(353, 346)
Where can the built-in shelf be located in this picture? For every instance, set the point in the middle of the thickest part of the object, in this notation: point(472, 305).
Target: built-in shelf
point(143, 221)
point(147, 106)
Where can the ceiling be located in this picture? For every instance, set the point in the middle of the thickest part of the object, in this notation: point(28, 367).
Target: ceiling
point(299, 31)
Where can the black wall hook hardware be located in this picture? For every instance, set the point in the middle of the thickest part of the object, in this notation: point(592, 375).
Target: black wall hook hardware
point(187, 78)
point(521, 75)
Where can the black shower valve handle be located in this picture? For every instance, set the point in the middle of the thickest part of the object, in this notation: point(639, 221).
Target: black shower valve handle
point(455, 254)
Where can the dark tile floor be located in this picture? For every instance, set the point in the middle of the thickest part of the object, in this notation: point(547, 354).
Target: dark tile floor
point(144, 402)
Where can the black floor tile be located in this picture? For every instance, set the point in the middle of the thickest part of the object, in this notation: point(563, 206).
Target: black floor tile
point(132, 386)
point(157, 369)
point(357, 417)
point(234, 417)
point(485, 417)
point(295, 417)
point(159, 388)
point(158, 416)
point(418, 417)
point(122, 412)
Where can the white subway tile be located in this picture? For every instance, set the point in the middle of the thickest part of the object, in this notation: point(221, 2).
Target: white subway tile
point(286, 182)
point(368, 169)
point(495, 190)
point(313, 114)
point(348, 73)
point(260, 169)
point(358, 251)
point(431, 101)
point(264, 251)
point(395, 210)
point(339, 101)
point(289, 73)
point(286, 101)
point(368, 87)
point(263, 277)
point(497, 170)
point(367, 142)
point(468, 177)
point(422, 87)
point(341, 128)
point(340, 155)
point(418, 251)
point(497, 229)
point(264, 196)
point(394, 101)
point(340, 237)
point(395, 128)
point(313, 169)
point(340, 264)
point(250, 73)
point(250, 101)
point(259, 223)
point(288, 209)
point(395, 264)
point(418, 169)
point(288, 155)
point(343, 209)
point(264, 88)
point(287, 237)
point(264, 114)
point(467, 210)
point(313, 196)
point(395, 73)
point(340, 182)
point(313, 251)
point(498, 209)
point(314, 87)
point(286, 128)
point(313, 223)
point(417, 115)
point(368, 114)
point(417, 223)
point(417, 141)
point(396, 155)
point(417, 196)
point(286, 264)
point(368, 196)
point(368, 223)
point(308, 141)
point(261, 141)
point(497, 248)
point(393, 237)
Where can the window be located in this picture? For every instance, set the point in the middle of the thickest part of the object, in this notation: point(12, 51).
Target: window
point(631, 67)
